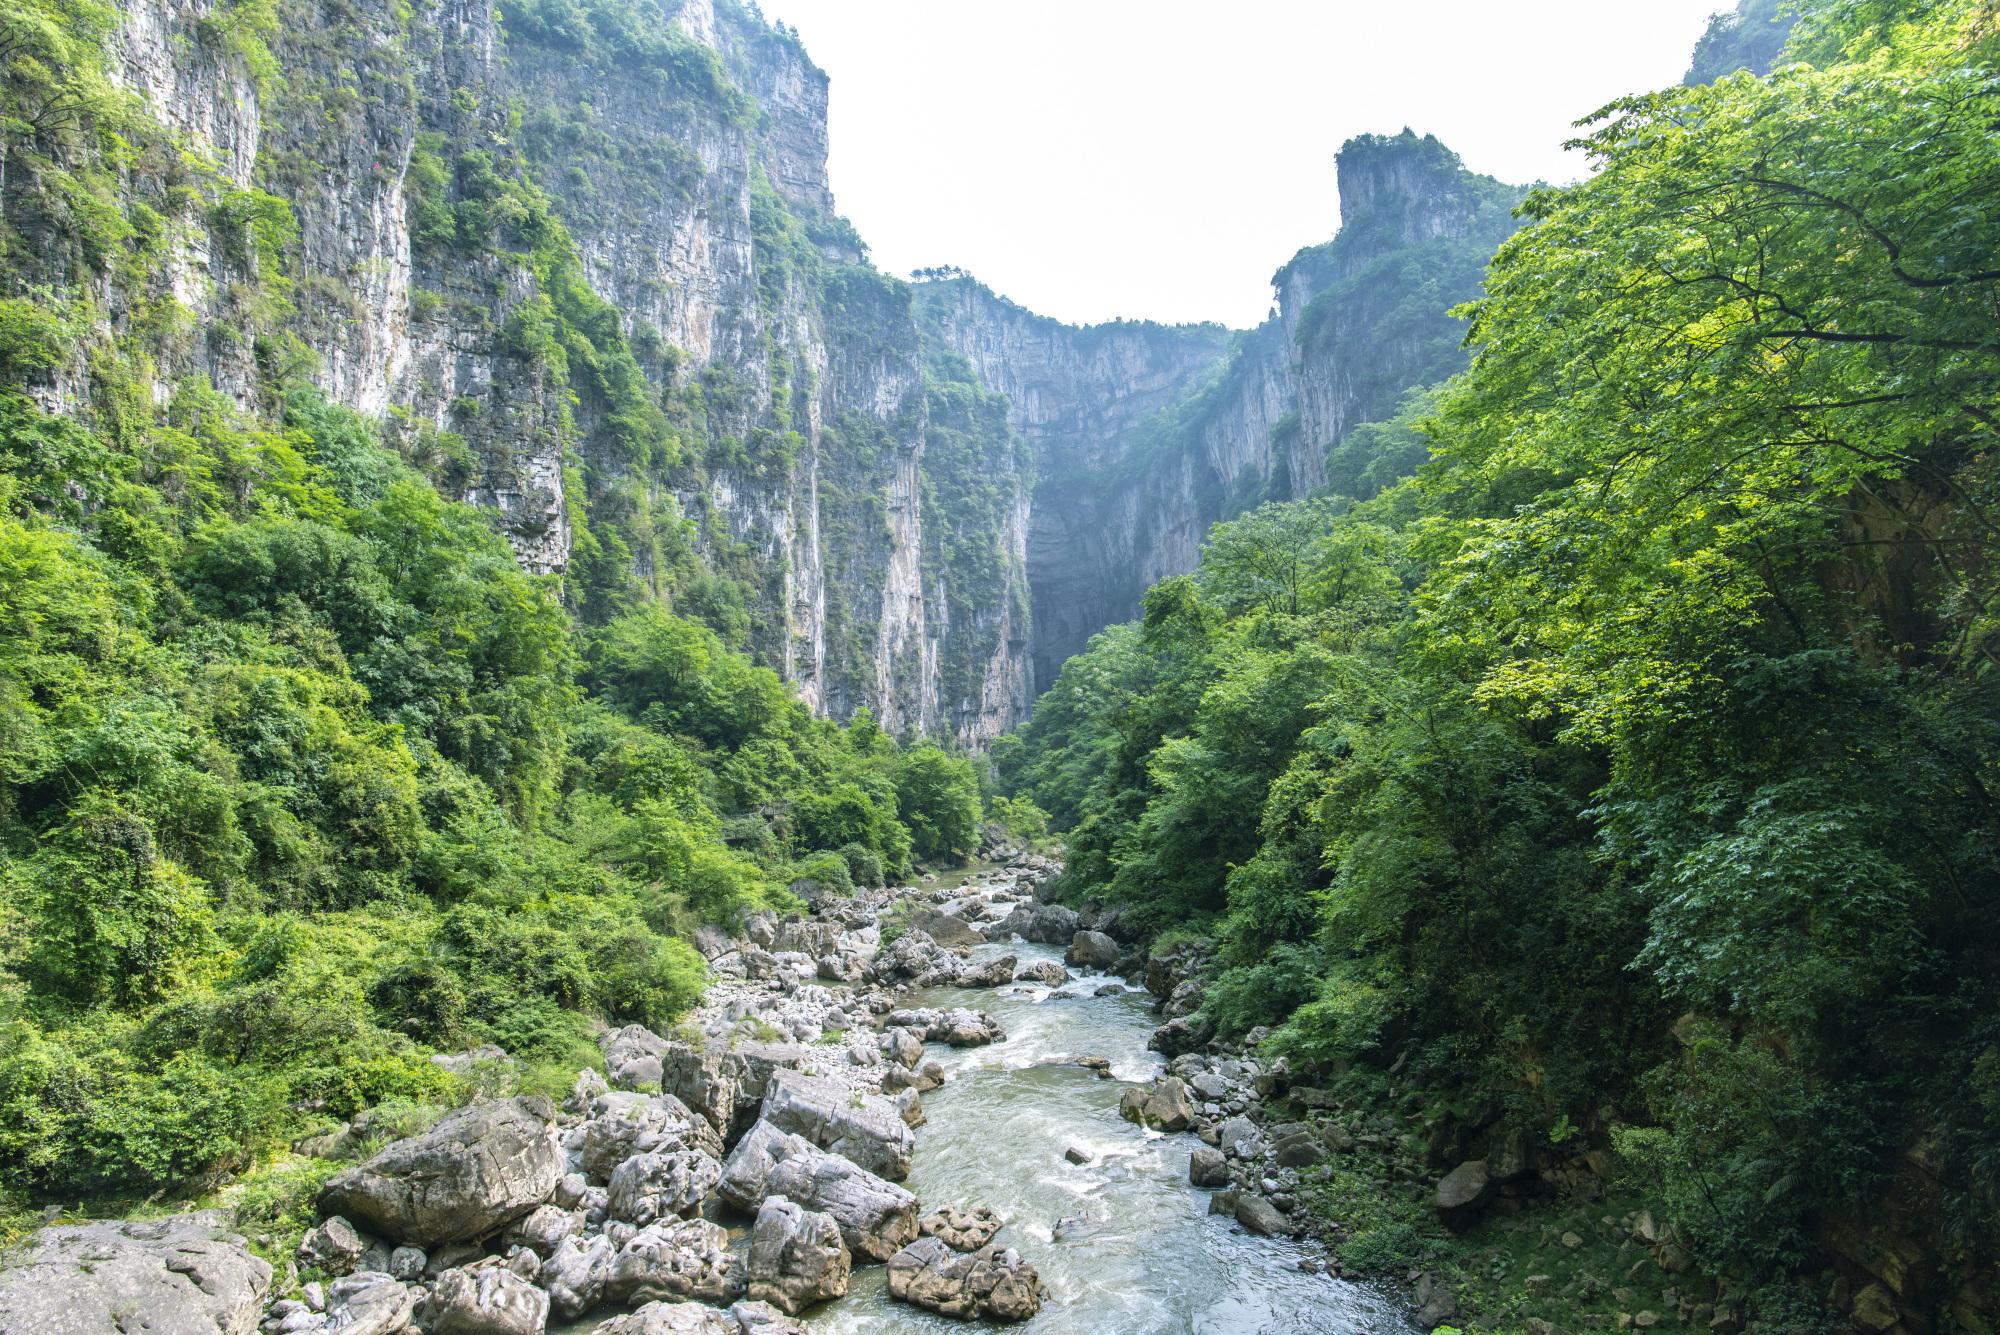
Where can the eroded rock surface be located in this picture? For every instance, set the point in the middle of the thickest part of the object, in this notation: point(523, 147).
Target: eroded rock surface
point(993, 1282)
point(797, 1257)
point(876, 1217)
point(477, 1170)
point(187, 1275)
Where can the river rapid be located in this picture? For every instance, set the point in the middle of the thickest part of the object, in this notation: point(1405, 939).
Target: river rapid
point(1123, 1243)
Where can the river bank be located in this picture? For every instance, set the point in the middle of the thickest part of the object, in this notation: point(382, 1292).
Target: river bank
point(860, 1129)
point(1468, 1227)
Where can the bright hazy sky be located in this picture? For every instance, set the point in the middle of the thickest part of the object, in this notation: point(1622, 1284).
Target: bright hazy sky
point(1160, 158)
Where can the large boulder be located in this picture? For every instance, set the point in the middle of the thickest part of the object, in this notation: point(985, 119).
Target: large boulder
point(632, 1057)
point(763, 1319)
point(945, 928)
point(745, 1318)
point(1435, 1303)
point(876, 1217)
point(993, 1282)
point(485, 1299)
point(913, 958)
point(676, 1259)
point(1168, 970)
point(672, 1319)
point(620, 1125)
point(959, 1027)
point(1463, 1191)
point(797, 1257)
point(864, 1128)
point(996, 972)
point(807, 936)
point(902, 1046)
point(1239, 1138)
point(1259, 1215)
point(1042, 971)
point(579, 1273)
point(659, 1185)
point(1050, 924)
point(369, 1302)
point(1208, 1168)
point(1296, 1146)
point(961, 1230)
point(335, 1247)
point(185, 1275)
point(1182, 1035)
point(725, 1086)
point(1163, 1107)
point(473, 1173)
point(543, 1229)
point(1091, 950)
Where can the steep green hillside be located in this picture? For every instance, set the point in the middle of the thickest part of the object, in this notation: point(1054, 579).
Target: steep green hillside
point(1621, 788)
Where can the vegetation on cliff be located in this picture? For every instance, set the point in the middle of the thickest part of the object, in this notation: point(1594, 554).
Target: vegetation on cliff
point(302, 779)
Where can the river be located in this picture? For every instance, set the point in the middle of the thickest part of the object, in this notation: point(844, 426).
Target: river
point(1123, 1243)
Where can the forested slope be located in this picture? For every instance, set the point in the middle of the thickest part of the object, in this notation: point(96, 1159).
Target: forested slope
point(343, 718)
point(1623, 784)
point(302, 779)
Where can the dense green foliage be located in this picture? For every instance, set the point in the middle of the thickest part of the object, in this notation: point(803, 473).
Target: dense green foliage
point(1628, 775)
point(314, 750)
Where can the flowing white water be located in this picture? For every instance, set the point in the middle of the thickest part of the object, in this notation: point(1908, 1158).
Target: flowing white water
point(1124, 1245)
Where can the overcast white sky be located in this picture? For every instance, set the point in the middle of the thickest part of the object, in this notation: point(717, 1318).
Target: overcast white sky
point(1160, 158)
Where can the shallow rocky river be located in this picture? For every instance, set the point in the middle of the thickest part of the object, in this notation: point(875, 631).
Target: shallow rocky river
point(788, 1098)
point(1124, 1245)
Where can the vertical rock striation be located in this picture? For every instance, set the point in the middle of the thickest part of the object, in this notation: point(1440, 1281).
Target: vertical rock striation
point(1144, 436)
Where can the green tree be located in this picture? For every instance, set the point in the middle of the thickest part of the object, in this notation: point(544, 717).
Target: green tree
point(937, 796)
point(115, 921)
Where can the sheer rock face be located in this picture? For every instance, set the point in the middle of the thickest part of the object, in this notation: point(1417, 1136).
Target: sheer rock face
point(186, 1273)
point(791, 372)
point(933, 556)
point(477, 1170)
point(1222, 421)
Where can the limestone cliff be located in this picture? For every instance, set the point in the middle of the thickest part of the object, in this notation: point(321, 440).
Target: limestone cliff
point(1145, 436)
point(581, 263)
point(578, 260)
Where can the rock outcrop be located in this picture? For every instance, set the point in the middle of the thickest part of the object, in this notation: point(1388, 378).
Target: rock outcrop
point(797, 1257)
point(485, 1299)
point(876, 1217)
point(1224, 421)
point(885, 524)
point(184, 1275)
point(474, 1172)
point(864, 1128)
point(993, 1282)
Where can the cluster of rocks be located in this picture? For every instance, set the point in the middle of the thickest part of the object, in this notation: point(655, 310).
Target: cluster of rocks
point(187, 1273)
point(1254, 1166)
point(782, 1117)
